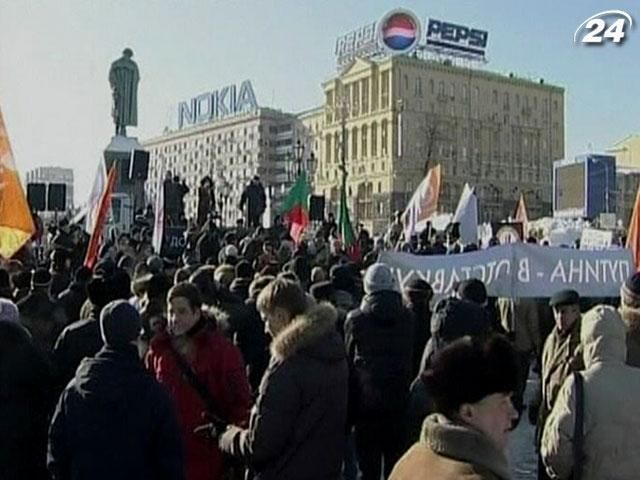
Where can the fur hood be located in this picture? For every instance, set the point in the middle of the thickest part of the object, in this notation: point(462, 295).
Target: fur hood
point(463, 443)
point(631, 317)
point(314, 332)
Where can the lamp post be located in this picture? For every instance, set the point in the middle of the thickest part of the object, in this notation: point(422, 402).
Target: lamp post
point(299, 152)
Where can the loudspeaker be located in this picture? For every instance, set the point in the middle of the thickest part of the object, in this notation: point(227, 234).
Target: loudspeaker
point(57, 197)
point(139, 165)
point(316, 208)
point(37, 196)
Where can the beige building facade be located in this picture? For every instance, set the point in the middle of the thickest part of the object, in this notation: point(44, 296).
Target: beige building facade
point(403, 115)
point(231, 152)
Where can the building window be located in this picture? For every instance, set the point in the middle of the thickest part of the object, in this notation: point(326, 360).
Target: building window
point(406, 82)
point(336, 148)
point(452, 91)
point(374, 139)
point(354, 143)
point(384, 136)
point(374, 93)
point(441, 88)
point(363, 148)
point(365, 96)
point(355, 91)
point(494, 96)
point(431, 86)
point(379, 187)
point(465, 93)
point(384, 89)
point(419, 86)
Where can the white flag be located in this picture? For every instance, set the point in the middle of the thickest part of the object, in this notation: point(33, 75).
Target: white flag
point(158, 221)
point(467, 215)
point(93, 202)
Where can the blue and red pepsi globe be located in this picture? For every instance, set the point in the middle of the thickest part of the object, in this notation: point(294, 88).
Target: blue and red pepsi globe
point(399, 31)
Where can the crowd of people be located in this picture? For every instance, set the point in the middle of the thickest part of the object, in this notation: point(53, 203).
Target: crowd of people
point(251, 357)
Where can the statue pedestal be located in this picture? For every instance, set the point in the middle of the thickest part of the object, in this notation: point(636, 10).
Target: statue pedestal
point(128, 192)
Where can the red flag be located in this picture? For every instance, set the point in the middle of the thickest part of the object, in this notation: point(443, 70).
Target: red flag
point(633, 232)
point(100, 220)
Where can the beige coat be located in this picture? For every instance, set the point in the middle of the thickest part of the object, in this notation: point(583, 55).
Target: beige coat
point(560, 357)
point(519, 318)
point(449, 451)
point(611, 414)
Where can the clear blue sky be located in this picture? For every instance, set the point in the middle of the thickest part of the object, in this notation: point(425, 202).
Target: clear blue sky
point(55, 55)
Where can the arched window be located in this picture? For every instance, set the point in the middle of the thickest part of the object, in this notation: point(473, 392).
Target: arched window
point(363, 148)
point(354, 143)
point(374, 139)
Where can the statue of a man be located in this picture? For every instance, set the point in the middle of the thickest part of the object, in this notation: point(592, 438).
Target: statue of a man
point(124, 78)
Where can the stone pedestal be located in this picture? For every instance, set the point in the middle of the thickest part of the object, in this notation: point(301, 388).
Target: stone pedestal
point(130, 192)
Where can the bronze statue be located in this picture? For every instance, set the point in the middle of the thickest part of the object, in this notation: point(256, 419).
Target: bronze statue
point(124, 78)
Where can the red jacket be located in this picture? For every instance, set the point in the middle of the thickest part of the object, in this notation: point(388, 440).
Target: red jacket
point(218, 363)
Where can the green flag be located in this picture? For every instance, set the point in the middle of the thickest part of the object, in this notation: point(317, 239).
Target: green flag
point(296, 207)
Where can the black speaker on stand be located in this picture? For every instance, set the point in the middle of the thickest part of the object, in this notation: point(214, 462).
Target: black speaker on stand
point(316, 208)
point(37, 196)
point(57, 197)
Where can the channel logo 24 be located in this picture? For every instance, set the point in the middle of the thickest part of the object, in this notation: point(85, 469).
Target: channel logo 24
point(607, 26)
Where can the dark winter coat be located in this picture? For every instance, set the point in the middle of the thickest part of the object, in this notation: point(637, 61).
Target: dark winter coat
point(297, 427)
point(60, 280)
point(42, 317)
point(421, 331)
point(255, 198)
point(218, 365)
point(378, 336)
point(25, 403)
point(79, 340)
point(115, 421)
point(254, 345)
point(72, 300)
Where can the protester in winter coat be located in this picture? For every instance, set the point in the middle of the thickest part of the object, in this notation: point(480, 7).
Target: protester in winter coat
point(190, 344)
point(610, 418)
point(113, 420)
point(468, 436)
point(560, 357)
point(25, 401)
point(379, 342)
point(630, 311)
point(519, 318)
point(297, 426)
point(74, 297)
point(417, 296)
point(452, 319)
point(60, 276)
point(40, 314)
point(243, 277)
point(81, 338)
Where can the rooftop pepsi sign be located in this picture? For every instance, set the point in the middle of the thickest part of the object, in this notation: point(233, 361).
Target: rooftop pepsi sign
point(400, 32)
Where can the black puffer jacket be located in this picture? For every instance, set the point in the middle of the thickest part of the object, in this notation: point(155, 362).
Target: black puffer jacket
point(25, 404)
point(297, 427)
point(379, 340)
point(115, 421)
point(72, 300)
point(79, 340)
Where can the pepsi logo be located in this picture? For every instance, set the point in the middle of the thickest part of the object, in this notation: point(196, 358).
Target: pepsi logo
point(399, 31)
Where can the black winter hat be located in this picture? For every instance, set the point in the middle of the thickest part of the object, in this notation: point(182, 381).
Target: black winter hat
point(565, 297)
point(120, 324)
point(631, 291)
point(481, 366)
point(322, 291)
point(418, 285)
point(472, 290)
point(244, 270)
point(40, 278)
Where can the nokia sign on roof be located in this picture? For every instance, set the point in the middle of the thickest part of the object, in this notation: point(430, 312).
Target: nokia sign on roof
point(216, 105)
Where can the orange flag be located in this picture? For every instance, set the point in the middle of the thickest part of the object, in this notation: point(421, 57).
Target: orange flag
point(522, 216)
point(16, 223)
point(633, 232)
point(100, 220)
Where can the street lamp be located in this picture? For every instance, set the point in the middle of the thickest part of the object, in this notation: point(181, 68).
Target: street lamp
point(299, 151)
